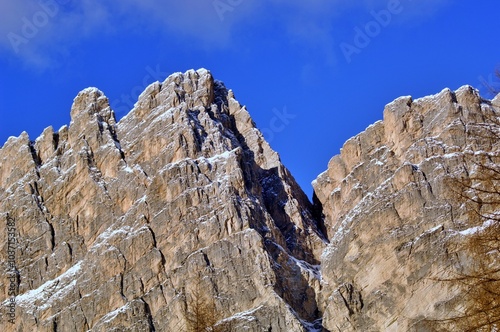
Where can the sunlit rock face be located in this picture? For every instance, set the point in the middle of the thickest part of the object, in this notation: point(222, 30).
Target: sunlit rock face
point(391, 214)
point(127, 225)
point(119, 222)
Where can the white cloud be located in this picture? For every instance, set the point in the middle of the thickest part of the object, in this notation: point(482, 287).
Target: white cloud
point(210, 22)
point(13, 10)
point(33, 29)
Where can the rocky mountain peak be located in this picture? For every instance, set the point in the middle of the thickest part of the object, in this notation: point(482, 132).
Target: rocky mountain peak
point(132, 214)
point(390, 213)
point(182, 207)
point(90, 101)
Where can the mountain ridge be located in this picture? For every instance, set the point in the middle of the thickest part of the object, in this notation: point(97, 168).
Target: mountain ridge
point(119, 223)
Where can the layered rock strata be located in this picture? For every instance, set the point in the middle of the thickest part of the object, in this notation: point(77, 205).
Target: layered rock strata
point(391, 214)
point(183, 207)
point(117, 223)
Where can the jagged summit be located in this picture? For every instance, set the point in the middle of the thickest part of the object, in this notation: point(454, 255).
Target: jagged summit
point(390, 213)
point(182, 206)
point(183, 188)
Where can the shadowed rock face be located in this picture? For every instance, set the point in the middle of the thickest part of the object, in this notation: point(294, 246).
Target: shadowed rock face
point(118, 224)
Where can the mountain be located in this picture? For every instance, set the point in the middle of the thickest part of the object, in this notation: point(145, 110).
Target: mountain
point(181, 214)
point(393, 217)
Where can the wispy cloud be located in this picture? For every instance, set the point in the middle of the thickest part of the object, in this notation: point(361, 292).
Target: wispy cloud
point(12, 13)
point(31, 29)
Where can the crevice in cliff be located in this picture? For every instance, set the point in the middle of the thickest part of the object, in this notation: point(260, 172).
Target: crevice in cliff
point(94, 171)
point(35, 193)
point(35, 155)
point(122, 291)
point(54, 324)
point(319, 217)
point(40, 203)
point(148, 213)
point(55, 141)
point(52, 235)
point(352, 298)
point(205, 258)
point(110, 127)
point(70, 250)
point(153, 235)
point(149, 316)
point(85, 320)
point(199, 132)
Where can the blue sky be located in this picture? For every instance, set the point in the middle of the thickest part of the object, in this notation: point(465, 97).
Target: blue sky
point(311, 73)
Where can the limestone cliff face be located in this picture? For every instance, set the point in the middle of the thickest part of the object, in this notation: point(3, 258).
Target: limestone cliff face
point(390, 213)
point(117, 223)
point(120, 224)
